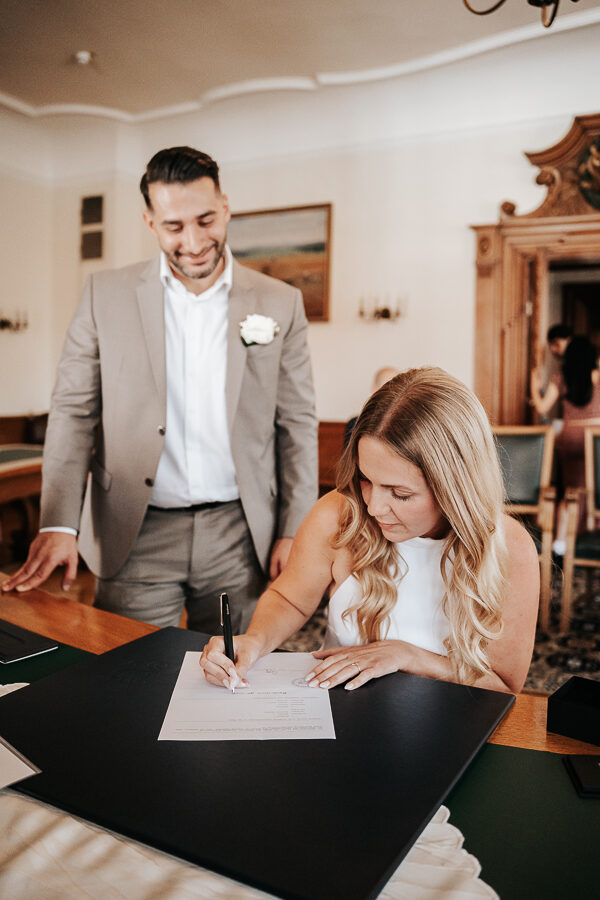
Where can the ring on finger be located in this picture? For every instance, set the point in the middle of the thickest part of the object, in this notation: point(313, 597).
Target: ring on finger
point(357, 665)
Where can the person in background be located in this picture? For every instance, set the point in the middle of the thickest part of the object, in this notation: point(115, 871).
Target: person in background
point(578, 385)
point(558, 338)
point(381, 376)
point(185, 389)
point(428, 575)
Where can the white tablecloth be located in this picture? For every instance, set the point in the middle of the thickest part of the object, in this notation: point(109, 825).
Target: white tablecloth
point(48, 855)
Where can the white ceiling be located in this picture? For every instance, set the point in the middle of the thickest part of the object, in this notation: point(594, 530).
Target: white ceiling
point(154, 56)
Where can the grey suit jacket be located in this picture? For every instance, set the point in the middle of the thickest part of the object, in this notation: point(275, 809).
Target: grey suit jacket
point(106, 426)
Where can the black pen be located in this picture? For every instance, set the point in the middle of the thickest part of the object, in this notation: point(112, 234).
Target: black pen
point(227, 632)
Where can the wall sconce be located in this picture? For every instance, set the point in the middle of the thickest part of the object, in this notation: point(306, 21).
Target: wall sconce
point(20, 323)
point(375, 310)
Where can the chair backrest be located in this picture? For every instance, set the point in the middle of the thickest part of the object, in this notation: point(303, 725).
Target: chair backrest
point(525, 453)
point(592, 475)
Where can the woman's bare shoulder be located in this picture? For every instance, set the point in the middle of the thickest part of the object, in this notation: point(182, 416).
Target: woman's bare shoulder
point(519, 542)
point(333, 502)
point(316, 534)
point(325, 514)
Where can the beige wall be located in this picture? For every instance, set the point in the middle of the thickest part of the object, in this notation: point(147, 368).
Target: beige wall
point(408, 165)
point(27, 274)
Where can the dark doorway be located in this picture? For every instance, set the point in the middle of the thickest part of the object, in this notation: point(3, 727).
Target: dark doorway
point(581, 309)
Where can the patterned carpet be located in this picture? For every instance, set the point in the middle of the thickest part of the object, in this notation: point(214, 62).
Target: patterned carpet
point(555, 657)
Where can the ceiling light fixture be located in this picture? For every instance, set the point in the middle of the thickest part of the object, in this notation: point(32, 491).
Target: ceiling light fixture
point(549, 9)
point(83, 57)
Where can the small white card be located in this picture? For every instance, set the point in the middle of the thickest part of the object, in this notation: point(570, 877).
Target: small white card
point(13, 766)
point(277, 704)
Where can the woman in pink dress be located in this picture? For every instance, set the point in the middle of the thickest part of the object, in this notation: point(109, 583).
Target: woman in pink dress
point(579, 388)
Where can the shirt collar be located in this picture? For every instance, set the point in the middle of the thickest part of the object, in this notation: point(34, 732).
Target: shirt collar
point(224, 281)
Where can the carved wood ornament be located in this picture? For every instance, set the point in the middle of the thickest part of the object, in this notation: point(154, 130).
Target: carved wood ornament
point(571, 172)
point(512, 267)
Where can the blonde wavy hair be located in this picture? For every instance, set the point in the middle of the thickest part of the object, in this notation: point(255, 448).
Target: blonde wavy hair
point(435, 422)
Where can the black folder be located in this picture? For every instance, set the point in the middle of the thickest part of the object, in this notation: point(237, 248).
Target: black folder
point(17, 643)
point(305, 820)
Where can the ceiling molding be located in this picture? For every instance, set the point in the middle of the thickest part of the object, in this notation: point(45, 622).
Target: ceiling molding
point(259, 86)
point(321, 80)
point(64, 109)
point(465, 51)
point(179, 109)
point(10, 102)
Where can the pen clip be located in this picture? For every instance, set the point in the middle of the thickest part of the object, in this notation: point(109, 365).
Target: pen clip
point(223, 599)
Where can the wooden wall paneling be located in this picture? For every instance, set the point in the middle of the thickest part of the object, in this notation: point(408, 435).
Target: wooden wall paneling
point(539, 317)
point(331, 445)
point(488, 317)
point(23, 429)
point(515, 302)
point(12, 429)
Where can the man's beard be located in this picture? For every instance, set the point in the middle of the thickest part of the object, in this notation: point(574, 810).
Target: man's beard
point(195, 274)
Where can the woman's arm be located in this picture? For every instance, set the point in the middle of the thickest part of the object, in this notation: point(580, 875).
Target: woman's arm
point(509, 656)
point(288, 602)
point(542, 402)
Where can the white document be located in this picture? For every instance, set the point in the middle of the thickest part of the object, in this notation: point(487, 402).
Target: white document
point(13, 766)
point(277, 704)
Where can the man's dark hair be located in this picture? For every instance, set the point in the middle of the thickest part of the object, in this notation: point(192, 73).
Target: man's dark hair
point(559, 332)
point(178, 165)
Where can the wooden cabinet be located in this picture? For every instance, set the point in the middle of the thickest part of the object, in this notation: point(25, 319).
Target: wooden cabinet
point(513, 258)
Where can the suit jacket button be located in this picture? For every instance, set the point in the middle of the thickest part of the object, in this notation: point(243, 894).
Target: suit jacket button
point(149, 482)
point(161, 429)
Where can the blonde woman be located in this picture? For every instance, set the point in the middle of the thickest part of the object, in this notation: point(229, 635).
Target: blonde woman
point(425, 572)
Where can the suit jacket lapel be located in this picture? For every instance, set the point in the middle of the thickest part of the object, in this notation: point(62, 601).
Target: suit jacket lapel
point(150, 298)
point(241, 299)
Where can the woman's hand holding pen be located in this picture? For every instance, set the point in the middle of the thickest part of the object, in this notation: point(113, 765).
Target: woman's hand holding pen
point(220, 670)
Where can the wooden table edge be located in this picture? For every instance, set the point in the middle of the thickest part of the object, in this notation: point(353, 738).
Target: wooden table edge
point(96, 631)
point(70, 622)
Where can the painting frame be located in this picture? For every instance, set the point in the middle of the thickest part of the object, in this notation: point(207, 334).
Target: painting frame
point(291, 243)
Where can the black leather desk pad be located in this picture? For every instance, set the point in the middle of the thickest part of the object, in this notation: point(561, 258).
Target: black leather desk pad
point(36, 667)
point(308, 820)
point(18, 644)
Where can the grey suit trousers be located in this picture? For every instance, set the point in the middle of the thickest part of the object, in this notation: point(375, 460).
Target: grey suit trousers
point(186, 558)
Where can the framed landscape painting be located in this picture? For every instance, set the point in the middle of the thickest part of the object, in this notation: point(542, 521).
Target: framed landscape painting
point(291, 244)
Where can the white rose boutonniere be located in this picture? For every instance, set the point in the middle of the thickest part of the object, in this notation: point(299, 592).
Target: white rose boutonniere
point(257, 329)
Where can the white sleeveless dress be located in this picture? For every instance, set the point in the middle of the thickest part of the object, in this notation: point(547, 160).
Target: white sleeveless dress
point(417, 616)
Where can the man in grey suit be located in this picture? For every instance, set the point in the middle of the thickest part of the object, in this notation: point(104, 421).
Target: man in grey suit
point(181, 450)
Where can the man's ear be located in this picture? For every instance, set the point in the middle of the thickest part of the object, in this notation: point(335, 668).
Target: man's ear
point(226, 210)
point(149, 220)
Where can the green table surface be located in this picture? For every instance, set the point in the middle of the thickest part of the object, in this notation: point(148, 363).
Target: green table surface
point(18, 454)
point(535, 838)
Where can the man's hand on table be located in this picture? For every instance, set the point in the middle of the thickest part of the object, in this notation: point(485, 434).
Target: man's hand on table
point(48, 550)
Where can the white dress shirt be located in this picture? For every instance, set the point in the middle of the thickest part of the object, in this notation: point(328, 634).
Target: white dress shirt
point(196, 465)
